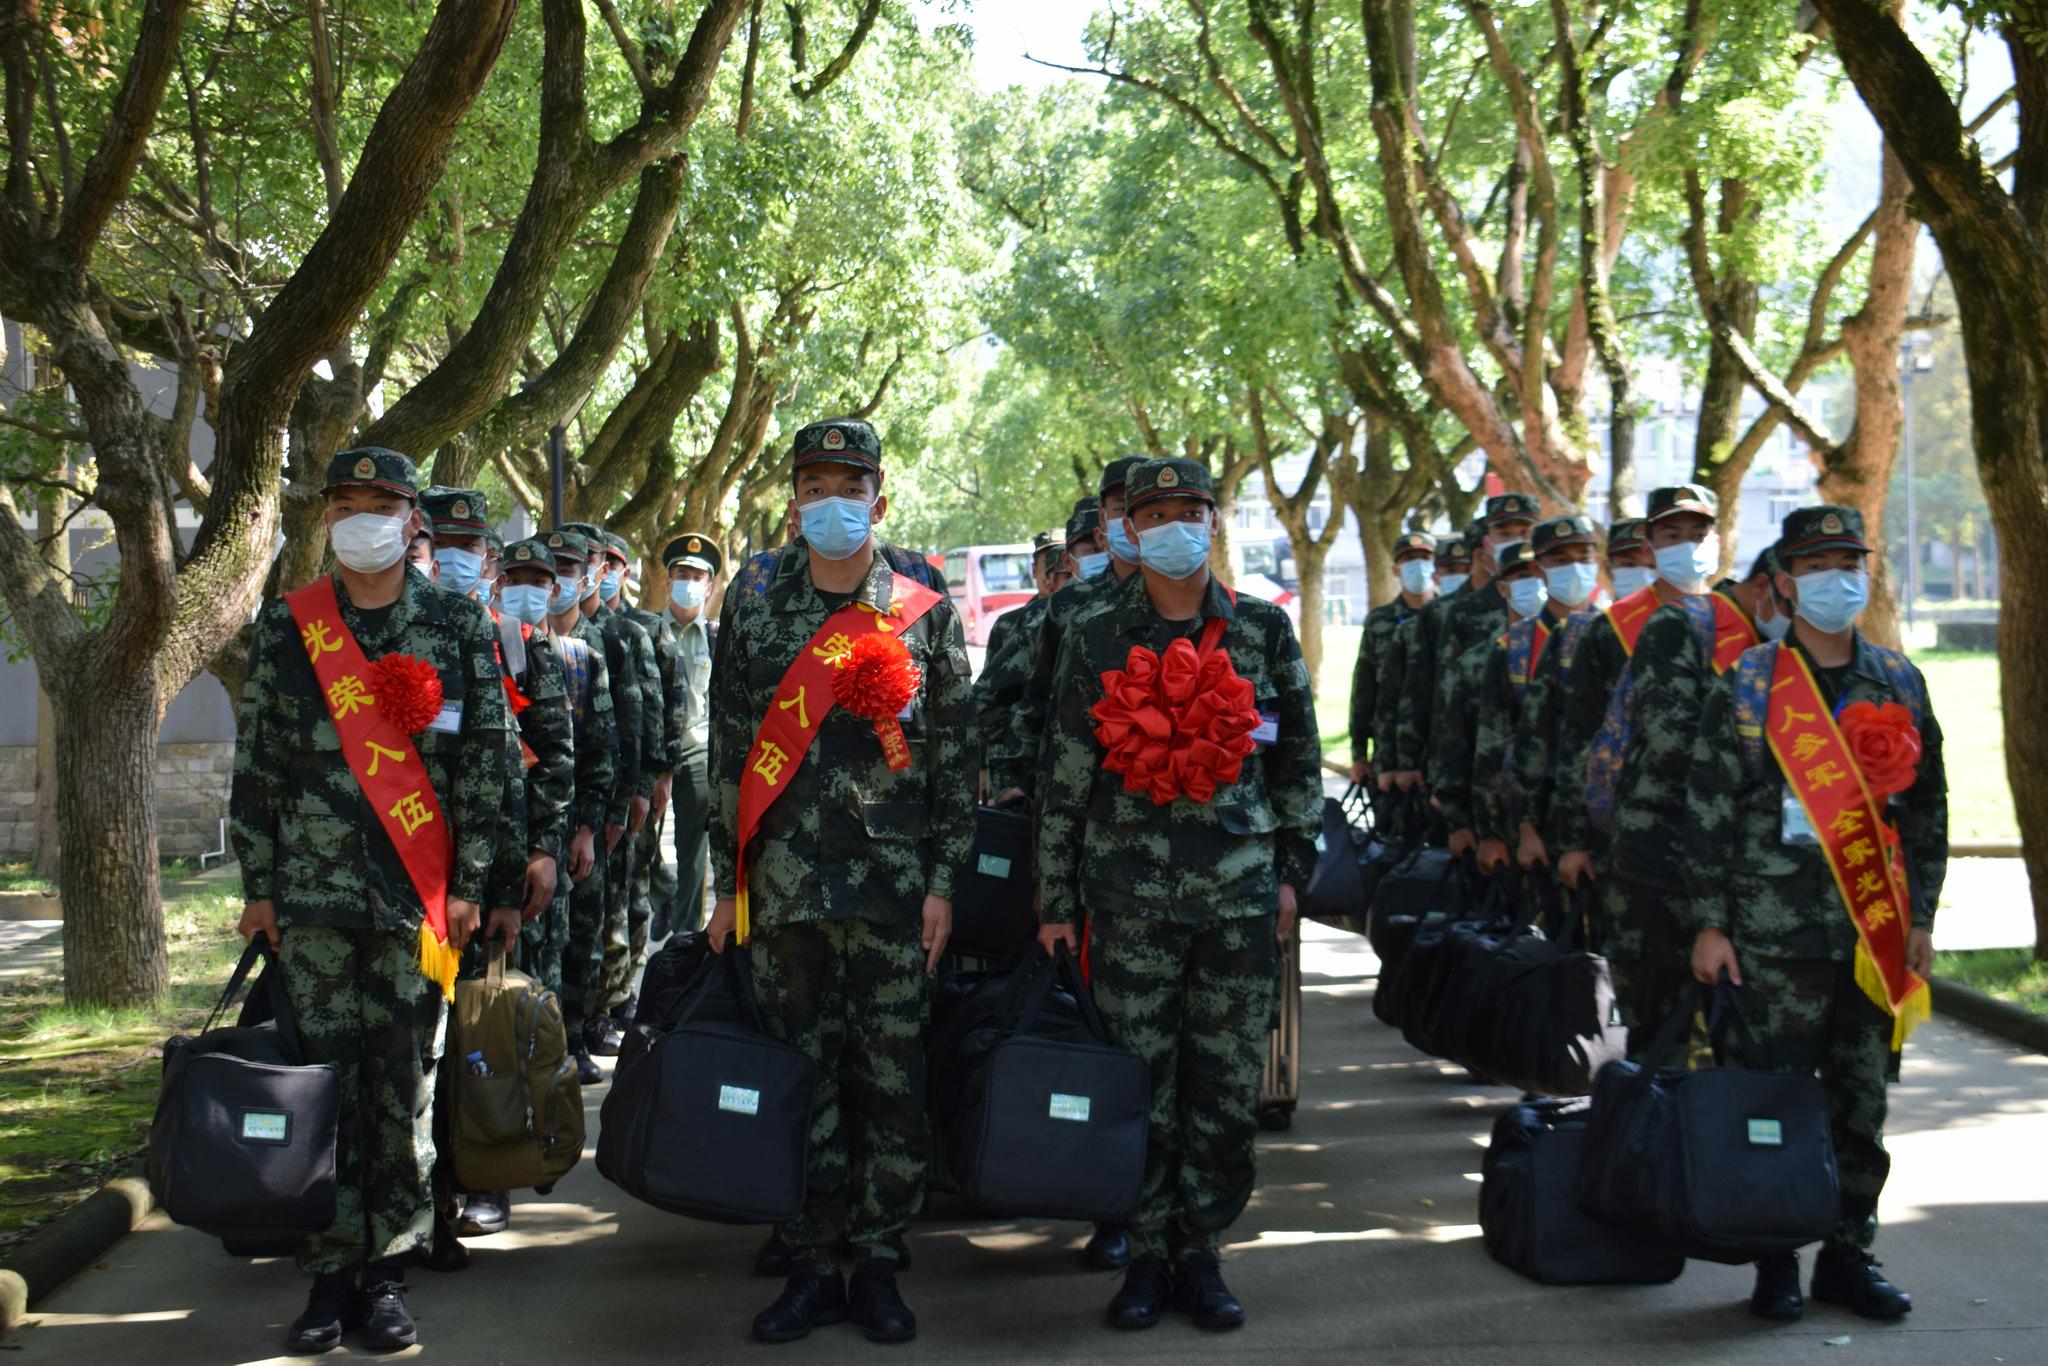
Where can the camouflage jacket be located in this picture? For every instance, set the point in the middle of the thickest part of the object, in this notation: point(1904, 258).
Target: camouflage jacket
point(1015, 761)
point(761, 568)
point(1477, 616)
point(1419, 668)
point(1102, 849)
point(303, 832)
point(619, 639)
point(595, 724)
point(1532, 771)
point(848, 837)
point(537, 807)
point(1597, 666)
point(1004, 672)
point(1506, 724)
point(1453, 776)
point(1374, 644)
point(671, 717)
point(1386, 704)
point(1779, 900)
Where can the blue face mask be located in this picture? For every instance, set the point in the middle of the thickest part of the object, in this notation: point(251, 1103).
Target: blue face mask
point(1527, 596)
point(460, 569)
point(836, 527)
point(1774, 628)
point(1175, 549)
point(568, 592)
point(608, 586)
point(1689, 564)
point(1832, 599)
point(1451, 583)
point(1572, 584)
point(688, 594)
point(1095, 562)
point(1414, 575)
point(1120, 543)
point(524, 602)
point(1632, 578)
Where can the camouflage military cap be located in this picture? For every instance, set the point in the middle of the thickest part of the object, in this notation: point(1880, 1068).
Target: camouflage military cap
point(693, 550)
point(837, 441)
point(1669, 502)
point(534, 551)
point(465, 512)
point(1571, 529)
point(1414, 543)
point(1627, 533)
point(1516, 555)
point(1512, 507)
point(1053, 539)
point(1822, 527)
point(616, 544)
point(591, 532)
point(1151, 480)
point(493, 540)
point(567, 543)
point(1087, 519)
point(1117, 472)
point(373, 467)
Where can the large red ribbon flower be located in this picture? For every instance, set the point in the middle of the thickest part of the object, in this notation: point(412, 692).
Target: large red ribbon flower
point(878, 678)
point(1177, 724)
point(1885, 744)
point(407, 689)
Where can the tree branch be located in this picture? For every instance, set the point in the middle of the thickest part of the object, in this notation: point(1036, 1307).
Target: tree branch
point(836, 68)
point(113, 162)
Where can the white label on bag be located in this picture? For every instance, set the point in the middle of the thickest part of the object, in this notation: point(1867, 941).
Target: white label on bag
point(992, 865)
point(1766, 1133)
point(739, 1100)
point(449, 722)
point(265, 1126)
point(1070, 1107)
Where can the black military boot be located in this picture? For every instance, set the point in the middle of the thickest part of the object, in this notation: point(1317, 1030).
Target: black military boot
point(808, 1300)
point(387, 1327)
point(1109, 1248)
point(601, 1037)
point(1849, 1276)
point(1199, 1292)
point(447, 1252)
point(330, 1310)
point(624, 1013)
point(587, 1072)
point(1777, 1288)
point(876, 1304)
point(486, 1212)
point(1148, 1285)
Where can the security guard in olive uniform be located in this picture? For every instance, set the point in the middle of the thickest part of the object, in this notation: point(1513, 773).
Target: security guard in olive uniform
point(849, 875)
point(1414, 564)
point(693, 563)
point(1767, 906)
point(323, 881)
point(1185, 901)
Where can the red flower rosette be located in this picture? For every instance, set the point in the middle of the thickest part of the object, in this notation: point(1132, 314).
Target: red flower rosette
point(407, 689)
point(1178, 724)
point(878, 678)
point(1885, 744)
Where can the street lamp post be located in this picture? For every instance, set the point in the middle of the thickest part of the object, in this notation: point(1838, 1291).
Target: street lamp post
point(1914, 361)
point(558, 493)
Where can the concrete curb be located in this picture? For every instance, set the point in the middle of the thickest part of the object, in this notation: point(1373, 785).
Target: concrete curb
point(2003, 1018)
point(70, 1243)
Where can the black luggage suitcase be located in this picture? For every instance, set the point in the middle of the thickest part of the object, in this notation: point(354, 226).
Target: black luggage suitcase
point(243, 1142)
point(1528, 1216)
point(1722, 1163)
point(993, 915)
point(711, 1119)
point(1041, 1119)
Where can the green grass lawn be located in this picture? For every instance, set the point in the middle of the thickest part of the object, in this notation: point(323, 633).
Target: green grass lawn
point(17, 876)
point(78, 1087)
point(2009, 974)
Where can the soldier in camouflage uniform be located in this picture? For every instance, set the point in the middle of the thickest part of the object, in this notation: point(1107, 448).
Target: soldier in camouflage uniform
point(607, 746)
point(1184, 902)
point(1414, 557)
point(1453, 574)
point(1465, 778)
point(1767, 909)
point(322, 880)
point(1421, 655)
point(693, 562)
point(849, 879)
point(1001, 680)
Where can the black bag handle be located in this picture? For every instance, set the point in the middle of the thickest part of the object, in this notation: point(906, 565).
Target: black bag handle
point(1725, 1010)
point(272, 981)
point(736, 965)
point(1060, 967)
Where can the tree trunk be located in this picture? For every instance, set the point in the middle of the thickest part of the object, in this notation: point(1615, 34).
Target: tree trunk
point(114, 946)
point(1309, 557)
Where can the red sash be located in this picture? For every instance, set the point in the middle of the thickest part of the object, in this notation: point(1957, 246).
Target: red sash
point(1733, 632)
point(793, 718)
point(1863, 852)
point(1632, 614)
point(386, 767)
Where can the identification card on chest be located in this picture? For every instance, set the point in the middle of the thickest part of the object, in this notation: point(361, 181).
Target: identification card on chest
point(1793, 826)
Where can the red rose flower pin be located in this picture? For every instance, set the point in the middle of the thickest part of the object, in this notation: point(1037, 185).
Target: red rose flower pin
point(1885, 744)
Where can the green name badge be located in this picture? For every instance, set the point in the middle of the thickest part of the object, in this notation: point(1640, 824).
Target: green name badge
point(266, 1126)
point(1766, 1133)
point(992, 865)
point(1074, 1108)
point(739, 1100)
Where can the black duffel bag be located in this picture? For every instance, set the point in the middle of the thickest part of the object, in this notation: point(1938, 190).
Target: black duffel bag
point(1553, 1024)
point(1351, 858)
point(1428, 878)
point(1442, 952)
point(1040, 1114)
point(242, 1146)
point(709, 1118)
point(1469, 1014)
point(1527, 1215)
point(993, 916)
point(1723, 1163)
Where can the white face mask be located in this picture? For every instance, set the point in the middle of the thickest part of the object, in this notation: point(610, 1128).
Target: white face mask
point(369, 543)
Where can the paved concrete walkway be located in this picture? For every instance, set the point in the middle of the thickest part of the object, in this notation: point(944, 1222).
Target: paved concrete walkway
point(1361, 1243)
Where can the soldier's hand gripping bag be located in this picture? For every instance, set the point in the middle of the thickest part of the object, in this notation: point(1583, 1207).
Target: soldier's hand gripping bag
point(712, 1119)
point(1528, 1217)
point(1554, 1023)
point(242, 1146)
point(672, 975)
point(993, 916)
point(1040, 1118)
point(516, 1117)
point(1725, 1164)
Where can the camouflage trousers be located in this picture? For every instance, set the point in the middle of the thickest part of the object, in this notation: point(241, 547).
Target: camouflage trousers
point(851, 994)
point(1642, 933)
point(543, 938)
point(651, 881)
point(583, 950)
point(361, 1002)
point(616, 981)
point(1196, 1003)
point(1810, 1016)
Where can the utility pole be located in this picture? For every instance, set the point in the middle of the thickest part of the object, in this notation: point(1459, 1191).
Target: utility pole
point(1914, 361)
point(558, 493)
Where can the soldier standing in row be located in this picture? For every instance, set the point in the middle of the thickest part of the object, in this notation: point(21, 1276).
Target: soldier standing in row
point(666, 747)
point(364, 820)
point(1414, 557)
point(1465, 790)
point(837, 836)
point(1186, 890)
point(1002, 675)
point(1421, 662)
point(1453, 575)
point(1817, 843)
point(693, 562)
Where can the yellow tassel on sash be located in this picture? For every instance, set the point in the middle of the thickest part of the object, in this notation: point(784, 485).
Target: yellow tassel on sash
point(1917, 1006)
point(740, 919)
point(438, 961)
